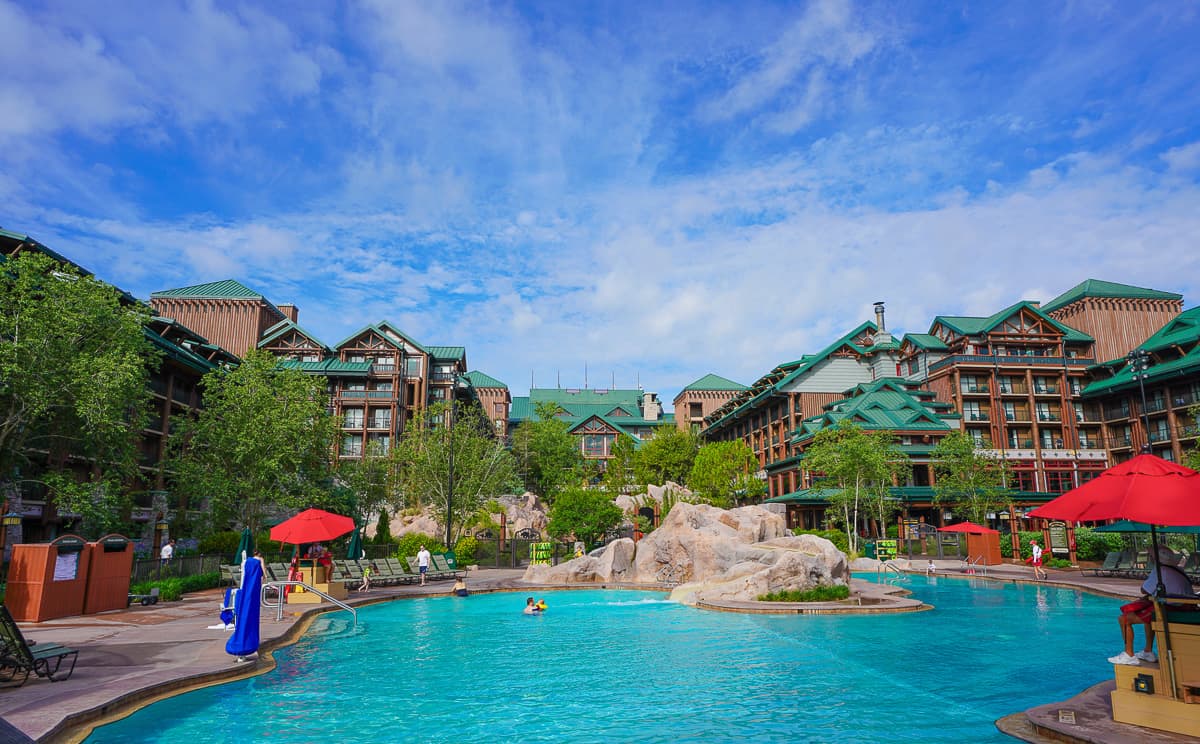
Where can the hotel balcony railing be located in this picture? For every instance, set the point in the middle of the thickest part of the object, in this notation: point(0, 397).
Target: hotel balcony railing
point(1088, 414)
point(1160, 435)
point(1182, 400)
point(351, 452)
point(972, 416)
point(989, 360)
point(982, 443)
point(974, 389)
point(1017, 415)
point(1116, 412)
point(1012, 389)
point(1020, 443)
point(352, 393)
point(1053, 417)
point(442, 376)
point(383, 369)
point(380, 424)
point(1188, 431)
point(1154, 405)
point(1086, 443)
point(1045, 389)
point(1120, 442)
point(380, 394)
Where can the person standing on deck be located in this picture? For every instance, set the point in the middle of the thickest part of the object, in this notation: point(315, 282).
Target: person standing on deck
point(423, 563)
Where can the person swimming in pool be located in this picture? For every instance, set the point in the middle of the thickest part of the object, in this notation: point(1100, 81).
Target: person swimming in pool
point(530, 607)
point(541, 605)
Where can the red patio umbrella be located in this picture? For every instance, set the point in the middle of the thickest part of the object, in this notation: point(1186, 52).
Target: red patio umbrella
point(312, 525)
point(969, 527)
point(1144, 489)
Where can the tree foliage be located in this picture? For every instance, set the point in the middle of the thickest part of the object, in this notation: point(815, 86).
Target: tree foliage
point(618, 475)
point(669, 456)
point(74, 364)
point(453, 468)
point(969, 481)
point(585, 513)
point(723, 472)
point(859, 468)
point(368, 485)
point(261, 444)
point(1191, 458)
point(547, 454)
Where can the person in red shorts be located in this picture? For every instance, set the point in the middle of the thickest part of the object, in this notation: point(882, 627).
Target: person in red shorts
point(1177, 584)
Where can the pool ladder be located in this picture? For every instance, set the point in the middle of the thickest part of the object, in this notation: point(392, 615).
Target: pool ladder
point(279, 597)
point(969, 566)
point(885, 568)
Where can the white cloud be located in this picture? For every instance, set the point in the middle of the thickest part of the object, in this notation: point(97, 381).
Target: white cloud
point(1184, 158)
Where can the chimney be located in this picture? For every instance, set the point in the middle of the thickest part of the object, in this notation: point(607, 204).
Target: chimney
point(651, 408)
point(290, 311)
point(879, 316)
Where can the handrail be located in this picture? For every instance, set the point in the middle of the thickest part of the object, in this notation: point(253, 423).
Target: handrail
point(278, 587)
point(888, 564)
point(969, 565)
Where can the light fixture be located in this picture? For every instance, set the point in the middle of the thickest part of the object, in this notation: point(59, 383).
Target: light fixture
point(1144, 683)
point(12, 519)
point(161, 525)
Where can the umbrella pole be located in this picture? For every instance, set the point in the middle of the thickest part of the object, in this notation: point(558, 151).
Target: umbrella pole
point(1160, 608)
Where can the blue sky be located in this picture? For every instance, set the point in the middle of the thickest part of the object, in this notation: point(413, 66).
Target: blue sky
point(654, 190)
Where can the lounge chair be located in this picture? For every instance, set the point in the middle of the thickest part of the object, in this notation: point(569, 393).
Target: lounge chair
point(398, 569)
point(346, 572)
point(443, 568)
point(431, 574)
point(1109, 566)
point(1124, 565)
point(44, 659)
point(1191, 567)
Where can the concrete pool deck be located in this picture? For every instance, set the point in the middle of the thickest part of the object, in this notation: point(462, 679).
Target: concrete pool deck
point(131, 657)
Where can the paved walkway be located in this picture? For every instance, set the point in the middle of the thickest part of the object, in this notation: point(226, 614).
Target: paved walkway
point(134, 656)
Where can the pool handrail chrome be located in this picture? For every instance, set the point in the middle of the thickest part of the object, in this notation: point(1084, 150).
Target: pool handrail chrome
point(279, 594)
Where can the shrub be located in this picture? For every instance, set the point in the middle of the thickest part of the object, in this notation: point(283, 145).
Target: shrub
point(837, 537)
point(465, 549)
point(408, 545)
point(1091, 545)
point(816, 594)
point(172, 589)
point(1058, 563)
point(220, 543)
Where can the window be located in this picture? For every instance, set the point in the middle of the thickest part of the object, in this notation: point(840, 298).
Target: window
point(412, 366)
point(310, 358)
point(378, 444)
point(695, 410)
point(381, 418)
point(1058, 481)
point(1026, 480)
point(597, 445)
point(356, 358)
point(973, 384)
point(437, 393)
point(381, 385)
point(352, 418)
point(972, 411)
point(356, 386)
point(352, 445)
point(498, 410)
point(980, 437)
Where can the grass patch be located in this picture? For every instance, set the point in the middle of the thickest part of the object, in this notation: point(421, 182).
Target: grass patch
point(816, 594)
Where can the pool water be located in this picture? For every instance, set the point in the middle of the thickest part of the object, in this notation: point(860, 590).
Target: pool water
point(625, 665)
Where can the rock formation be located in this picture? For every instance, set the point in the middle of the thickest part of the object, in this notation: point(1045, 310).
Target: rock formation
point(521, 512)
point(712, 554)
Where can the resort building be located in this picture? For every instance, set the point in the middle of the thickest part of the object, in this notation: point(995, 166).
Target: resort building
point(1148, 400)
point(227, 312)
point(698, 400)
point(596, 416)
point(767, 413)
point(495, 399)
point(1117, 316)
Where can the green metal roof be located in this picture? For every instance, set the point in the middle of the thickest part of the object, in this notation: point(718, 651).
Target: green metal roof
point(886, 404)
point(446, 353)
point(715, 382)
point(926, 341)
point(329, 367)
point(480, 380)
point(1185, 365)
point(1182, 333)
point(229, 289)
point(972, 326)
point(1182, 330)
point(284, 326)
point(1098, 288)
point(385, 330)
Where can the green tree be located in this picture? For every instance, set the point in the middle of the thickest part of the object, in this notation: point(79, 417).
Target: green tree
point(585, 513)
point(668, 456)
point(74, 363)
point(858, 467)
point(970, 481)
point(547, 454)
point(453, 468)
point(261, 443)
point(618, 475)
point(724, 471)
point(1191, 458)
point(367, 484)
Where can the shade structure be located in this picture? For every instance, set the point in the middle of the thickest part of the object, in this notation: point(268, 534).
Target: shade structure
point(354, 550)
point(245, 547)
point(312, 525)
point(970, 528)
point(1144, 489)
point(1126, 526)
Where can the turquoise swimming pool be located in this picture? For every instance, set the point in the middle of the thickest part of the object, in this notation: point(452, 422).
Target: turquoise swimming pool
point(625, 665)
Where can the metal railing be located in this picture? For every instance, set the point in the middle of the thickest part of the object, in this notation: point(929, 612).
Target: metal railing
point(280, 597)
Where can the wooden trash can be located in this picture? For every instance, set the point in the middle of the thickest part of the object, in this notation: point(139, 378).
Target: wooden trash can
point(47, 580)
point(109, 571)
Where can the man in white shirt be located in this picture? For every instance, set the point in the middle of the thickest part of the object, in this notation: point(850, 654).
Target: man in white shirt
point(168, 551)
point(423, 563)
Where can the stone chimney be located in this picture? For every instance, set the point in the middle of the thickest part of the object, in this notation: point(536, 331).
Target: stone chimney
point(881, 334)
point(651, 408)
point(290, 311)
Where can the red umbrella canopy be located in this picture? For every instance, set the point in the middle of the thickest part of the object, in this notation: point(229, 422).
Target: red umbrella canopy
point(1144, 489)
point(312, 525)
point(971, 527)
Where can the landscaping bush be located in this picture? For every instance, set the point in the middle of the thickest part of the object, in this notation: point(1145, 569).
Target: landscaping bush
point(816, 594)
point(465, 549)
point(170, 590)
point(408, 545)
point(220, 543)
point(837, 537)
point(1091, 545)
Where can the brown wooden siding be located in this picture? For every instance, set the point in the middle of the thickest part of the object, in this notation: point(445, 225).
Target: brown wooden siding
point(1118, 324)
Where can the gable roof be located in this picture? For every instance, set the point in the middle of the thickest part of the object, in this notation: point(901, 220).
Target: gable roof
point(715, 382)
point(286, 325)
point(974, 326)
point(446, 353)
point(329, 367)
point(387, 331)
point(227, 289)
point(926, 341)
point(480, 380)
point(1099, 288)
point(889, 403)
point(1182, 333)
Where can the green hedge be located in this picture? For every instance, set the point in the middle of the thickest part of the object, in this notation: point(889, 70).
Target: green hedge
point(837, 537)
point(408, 545)
point(465, 550)
point(172, 589)
point(816, 594)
